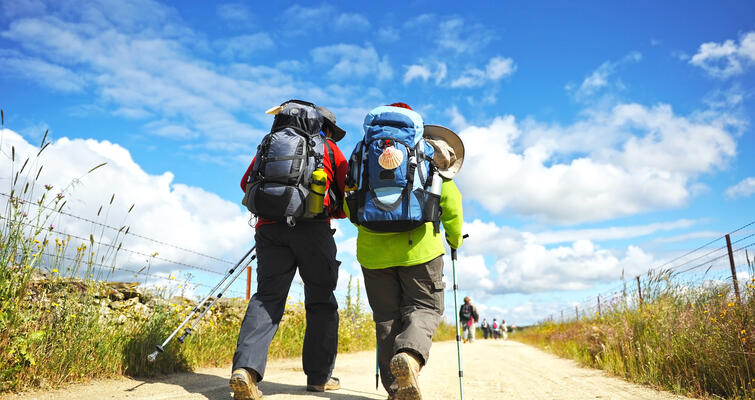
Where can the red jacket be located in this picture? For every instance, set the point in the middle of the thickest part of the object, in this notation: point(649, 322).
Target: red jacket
point(334, 210)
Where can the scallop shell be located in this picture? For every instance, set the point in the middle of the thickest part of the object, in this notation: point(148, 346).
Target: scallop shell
point(391, 158)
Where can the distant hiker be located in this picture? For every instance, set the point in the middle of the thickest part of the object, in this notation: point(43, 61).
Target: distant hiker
point(294, 186)
point(399, 178)
point(467, 317)
point(485, 328)
point(504, 329)
point(496, 329)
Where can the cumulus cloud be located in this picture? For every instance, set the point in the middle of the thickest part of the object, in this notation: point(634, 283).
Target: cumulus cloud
point(349, 60)
point(170, 212)
point(496, 69)
point(523, 265)
point(724, 60)
point(745, 188)
point(623, 161)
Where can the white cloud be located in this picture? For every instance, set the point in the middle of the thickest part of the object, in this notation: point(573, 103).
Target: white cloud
point(425, 72)
point(522, 265)
point(612, 233)
point(624, 161)
point(417, 72)
point(136, 59)
point(497, 68)
point(460, 36)
point(600, 78)
point(352, 21)
point(745, 188)
point(244, 46)
point(388, 34)
point(47, 74)
point(234, 13)
point(352, 61)
point(187, 216)
point(724, 60)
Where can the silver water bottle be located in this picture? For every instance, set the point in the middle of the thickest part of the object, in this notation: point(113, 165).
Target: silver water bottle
point(432, 203)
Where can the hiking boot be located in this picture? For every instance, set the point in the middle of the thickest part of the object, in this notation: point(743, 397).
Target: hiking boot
point(332, 384)
point(405, 368)
point(244, 385)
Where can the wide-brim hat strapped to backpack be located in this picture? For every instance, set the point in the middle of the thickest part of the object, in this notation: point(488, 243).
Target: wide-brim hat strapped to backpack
point(449, 149)
point(329, 120)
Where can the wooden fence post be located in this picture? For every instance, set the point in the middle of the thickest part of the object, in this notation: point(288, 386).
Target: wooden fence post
point(639, 289)
point(599, 313)
point(576, 311)
point(733, 270)
point(248, 282)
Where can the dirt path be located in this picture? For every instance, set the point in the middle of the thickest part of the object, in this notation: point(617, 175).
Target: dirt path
point(492, 370)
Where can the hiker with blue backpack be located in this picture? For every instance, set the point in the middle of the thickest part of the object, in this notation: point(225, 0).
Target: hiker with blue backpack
point(399, 191)
point(293, 186)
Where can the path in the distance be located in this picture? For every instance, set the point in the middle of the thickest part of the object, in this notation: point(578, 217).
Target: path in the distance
point(492, 370)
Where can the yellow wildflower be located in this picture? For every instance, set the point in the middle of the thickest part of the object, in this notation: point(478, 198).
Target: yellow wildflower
point(731, 304)
point(54, 270)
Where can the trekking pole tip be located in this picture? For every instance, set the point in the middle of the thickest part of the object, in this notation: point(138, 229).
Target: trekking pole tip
point(152, 357)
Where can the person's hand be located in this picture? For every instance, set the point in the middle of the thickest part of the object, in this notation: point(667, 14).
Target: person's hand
point(449, 244)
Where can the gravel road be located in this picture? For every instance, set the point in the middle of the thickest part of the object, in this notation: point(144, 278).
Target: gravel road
point(492, 370)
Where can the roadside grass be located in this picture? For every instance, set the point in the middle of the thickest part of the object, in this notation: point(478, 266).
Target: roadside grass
point(687, 338)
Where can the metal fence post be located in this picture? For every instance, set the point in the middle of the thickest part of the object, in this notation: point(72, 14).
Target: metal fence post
point(733, 270)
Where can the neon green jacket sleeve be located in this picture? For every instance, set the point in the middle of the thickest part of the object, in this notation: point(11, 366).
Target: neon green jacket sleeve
point(377, 250)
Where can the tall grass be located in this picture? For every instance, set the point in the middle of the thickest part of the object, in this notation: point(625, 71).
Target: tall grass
point(687, 338)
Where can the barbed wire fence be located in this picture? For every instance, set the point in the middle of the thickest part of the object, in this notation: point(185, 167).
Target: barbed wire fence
point(135, 257)
point(726, 260)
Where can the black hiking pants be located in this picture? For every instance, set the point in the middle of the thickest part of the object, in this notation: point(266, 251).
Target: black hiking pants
point(280, 250)
point(407, 306)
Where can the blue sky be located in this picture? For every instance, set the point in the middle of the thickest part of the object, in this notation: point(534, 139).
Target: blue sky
point(598, 135)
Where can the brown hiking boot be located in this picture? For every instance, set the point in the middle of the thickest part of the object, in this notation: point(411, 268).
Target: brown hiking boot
point(405, 367)
point(244, 385)
point(332, 384)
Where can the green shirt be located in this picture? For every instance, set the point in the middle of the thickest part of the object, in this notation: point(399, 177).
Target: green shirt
point(376, 250)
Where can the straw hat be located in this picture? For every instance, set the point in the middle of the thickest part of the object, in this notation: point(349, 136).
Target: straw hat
point(449, 149)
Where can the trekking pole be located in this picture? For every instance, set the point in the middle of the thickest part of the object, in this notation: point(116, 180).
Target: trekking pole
point(161, 347)
point(188, 330)
point(456, 317)
point(377, 366)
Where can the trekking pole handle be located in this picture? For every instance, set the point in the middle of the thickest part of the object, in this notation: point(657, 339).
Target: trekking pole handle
point(453, 251)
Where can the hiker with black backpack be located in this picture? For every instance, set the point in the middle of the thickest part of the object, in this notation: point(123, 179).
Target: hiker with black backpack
point(293, 186)
point(400, 177)
point(468, 316)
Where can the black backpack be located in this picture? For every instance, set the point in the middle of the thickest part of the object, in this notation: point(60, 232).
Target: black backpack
point(466, 312)
point(278, 186)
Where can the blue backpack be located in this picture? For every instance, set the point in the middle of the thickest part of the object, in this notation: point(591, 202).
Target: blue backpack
point(393, 199)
